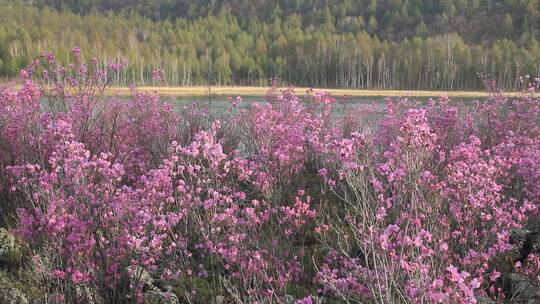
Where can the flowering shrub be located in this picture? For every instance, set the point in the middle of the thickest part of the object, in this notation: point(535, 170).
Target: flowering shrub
point(427, 218)
point(268, 201)
point(81, 209)
point(283, 136)
point(136, 133)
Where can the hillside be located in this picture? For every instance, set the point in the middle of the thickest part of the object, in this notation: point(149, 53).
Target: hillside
point(348, 44)
point(475, 20)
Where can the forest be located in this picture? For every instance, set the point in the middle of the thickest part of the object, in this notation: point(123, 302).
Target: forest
point(438, 45)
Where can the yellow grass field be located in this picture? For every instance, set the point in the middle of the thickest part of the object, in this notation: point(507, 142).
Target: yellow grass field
point(260, 91)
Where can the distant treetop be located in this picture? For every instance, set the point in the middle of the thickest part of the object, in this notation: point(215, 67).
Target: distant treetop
point(474, 20)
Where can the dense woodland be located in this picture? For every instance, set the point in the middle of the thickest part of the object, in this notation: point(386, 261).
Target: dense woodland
point(389, 44)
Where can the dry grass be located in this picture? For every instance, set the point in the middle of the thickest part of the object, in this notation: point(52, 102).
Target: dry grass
point(260, 91)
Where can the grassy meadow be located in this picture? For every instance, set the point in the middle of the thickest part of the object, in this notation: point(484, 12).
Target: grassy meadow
point(261, 91)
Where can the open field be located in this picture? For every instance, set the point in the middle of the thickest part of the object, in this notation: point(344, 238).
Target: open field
point(260, 91)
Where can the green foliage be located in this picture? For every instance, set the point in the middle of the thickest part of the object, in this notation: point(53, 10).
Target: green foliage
point(10, 251)
point(195, 288)
point(14, 291)
point(352, 43)
point(396, 18)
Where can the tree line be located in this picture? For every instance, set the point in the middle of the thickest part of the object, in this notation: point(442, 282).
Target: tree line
point(334, 44)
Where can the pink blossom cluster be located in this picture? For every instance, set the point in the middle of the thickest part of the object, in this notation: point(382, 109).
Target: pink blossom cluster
point(270, 200)
point(430, 216)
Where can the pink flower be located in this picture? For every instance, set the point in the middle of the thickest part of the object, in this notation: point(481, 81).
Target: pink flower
point(78, 277)
point(306, 300)
point(59, 274)
point(76, 51)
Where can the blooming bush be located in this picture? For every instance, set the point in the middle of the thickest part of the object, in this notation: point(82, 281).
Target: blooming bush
point(119, 197)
